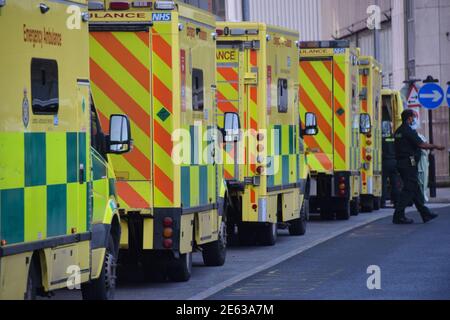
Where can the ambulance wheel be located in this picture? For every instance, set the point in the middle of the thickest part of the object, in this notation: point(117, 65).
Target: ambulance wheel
point(32, 281)
point(343, 211)
point(267, 234)
point(354, 207)
point(214, 253)
point(104, 287)
point(298, 226)
point(376, 203)
point(180, 269)
point(326, 214)
point(367, 205)
point(246, 234)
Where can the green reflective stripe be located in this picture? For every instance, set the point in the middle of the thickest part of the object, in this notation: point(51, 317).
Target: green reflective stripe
point(186, 187)
point(35, 159)
point(56, 210)
point(112, 188)
point(72, 159)
point(12, 215)
point(291, 140)
point(203, 185)
point(285, 168)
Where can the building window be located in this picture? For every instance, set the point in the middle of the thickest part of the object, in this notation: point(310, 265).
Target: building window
point(44, 86)
point(282, 96)
point(411, 37)
point(197, 90)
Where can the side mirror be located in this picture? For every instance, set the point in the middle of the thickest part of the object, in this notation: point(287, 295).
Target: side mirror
point(232, 126)
point(119, 140)
point(311, 128)
point(365, 124)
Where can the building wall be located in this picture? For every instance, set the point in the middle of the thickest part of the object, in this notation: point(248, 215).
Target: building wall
point(342, 18)
point(303, 16)
point(432, 48)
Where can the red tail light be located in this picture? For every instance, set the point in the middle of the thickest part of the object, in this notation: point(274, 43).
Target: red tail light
point(168, 222)
point(119, 5)
point(219, 32)
point(260, 170)
point(168, 243)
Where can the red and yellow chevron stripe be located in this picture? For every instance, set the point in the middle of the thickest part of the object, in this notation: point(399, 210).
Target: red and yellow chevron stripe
point(228, 101)
point(163, 116)
point(120, 77)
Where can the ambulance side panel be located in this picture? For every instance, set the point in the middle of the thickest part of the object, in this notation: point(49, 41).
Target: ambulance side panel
point(44, 143)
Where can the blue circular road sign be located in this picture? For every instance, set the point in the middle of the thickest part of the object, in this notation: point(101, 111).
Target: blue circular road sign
point(448, 96)
point(431, 96)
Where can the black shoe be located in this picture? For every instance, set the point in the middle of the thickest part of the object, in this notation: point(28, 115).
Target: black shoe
point(427, 218)
point(403, 221)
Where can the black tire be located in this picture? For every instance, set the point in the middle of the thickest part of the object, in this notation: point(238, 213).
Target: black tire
point(326, 214)
point(343, 211)
point(215, 253)
point(376, 203)
point(268, 234)
point(180, 270)
point(32, 281)
point(246, 235)
point(298, 227)
point(104, 287)
point(355, 207)
point(367, 205)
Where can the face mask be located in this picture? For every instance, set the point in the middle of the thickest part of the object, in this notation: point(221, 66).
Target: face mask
point(414, 125)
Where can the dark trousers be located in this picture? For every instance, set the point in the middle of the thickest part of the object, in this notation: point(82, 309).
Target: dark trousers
point(390, 173)
point(411, 191)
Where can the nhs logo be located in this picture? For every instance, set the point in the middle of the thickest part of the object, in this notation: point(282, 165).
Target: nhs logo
point(161, 16)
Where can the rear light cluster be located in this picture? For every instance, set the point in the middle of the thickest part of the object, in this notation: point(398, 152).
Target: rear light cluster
point(260, 149)
point(168, 233)
point(342, 187)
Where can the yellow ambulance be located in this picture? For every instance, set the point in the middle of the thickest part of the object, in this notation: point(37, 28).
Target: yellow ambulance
point(264, 164)
point(392, 108)
point(329, 87)
point(370, 81)
point(59, 223)
point(155, 61)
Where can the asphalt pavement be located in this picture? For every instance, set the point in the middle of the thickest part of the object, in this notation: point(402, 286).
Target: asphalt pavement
point(334, 255)
point(413, 262)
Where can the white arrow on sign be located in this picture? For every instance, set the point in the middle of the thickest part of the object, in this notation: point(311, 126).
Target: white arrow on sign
point(436, 96)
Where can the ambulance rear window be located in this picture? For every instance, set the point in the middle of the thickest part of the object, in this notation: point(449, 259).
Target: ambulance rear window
point(197, 90)
point(44, 86)
point(282, 96)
